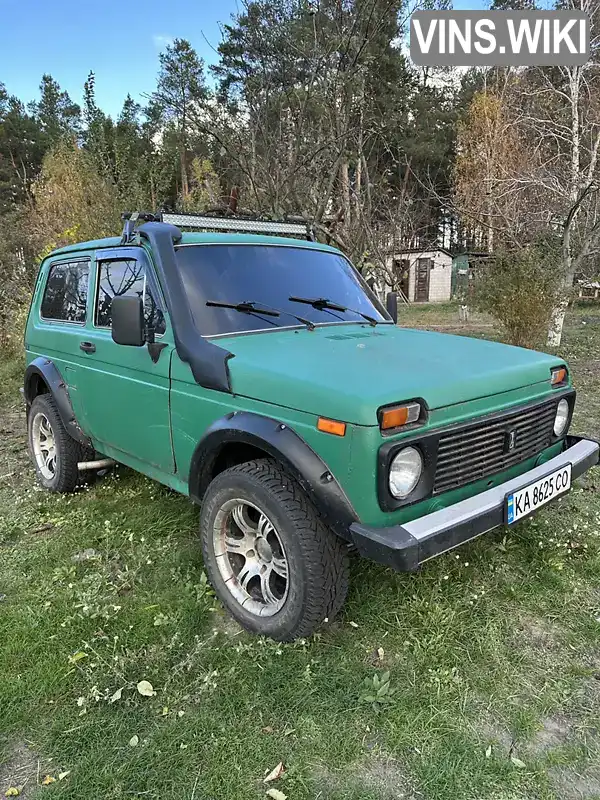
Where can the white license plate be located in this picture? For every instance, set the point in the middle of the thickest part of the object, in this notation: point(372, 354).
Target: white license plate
point(529, 498)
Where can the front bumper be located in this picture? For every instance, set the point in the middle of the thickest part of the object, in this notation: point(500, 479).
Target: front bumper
point(405, 547)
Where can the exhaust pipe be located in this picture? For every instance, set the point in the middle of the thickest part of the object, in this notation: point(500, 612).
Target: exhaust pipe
point(102, 463)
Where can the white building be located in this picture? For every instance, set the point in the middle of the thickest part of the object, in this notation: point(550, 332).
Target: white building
point(423, 275)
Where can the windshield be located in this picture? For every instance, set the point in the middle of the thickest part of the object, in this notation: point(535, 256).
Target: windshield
point(268, 275)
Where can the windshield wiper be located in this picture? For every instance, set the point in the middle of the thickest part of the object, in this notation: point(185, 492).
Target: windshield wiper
point(323, 304)
point(251, 307)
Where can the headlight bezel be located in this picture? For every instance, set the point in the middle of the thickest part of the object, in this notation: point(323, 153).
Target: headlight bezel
point(426, 444)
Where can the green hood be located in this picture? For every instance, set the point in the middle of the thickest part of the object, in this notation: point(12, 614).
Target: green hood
point(347, 372)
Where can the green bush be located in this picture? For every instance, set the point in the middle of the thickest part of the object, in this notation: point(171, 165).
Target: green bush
point(17, 277)
point(519, 288)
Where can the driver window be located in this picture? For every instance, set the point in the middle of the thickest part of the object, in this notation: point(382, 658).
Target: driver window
point(126, 277)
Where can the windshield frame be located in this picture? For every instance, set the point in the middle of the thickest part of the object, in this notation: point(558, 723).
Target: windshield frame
point(376, 302)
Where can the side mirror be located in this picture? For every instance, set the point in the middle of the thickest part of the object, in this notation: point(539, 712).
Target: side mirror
point(391, 303)
point(128, 321)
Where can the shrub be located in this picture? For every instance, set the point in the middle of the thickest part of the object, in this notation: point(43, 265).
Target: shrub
point(520, 288)
point(17, 276)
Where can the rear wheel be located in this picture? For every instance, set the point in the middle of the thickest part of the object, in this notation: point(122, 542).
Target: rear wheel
point(273, 563)
point(55, 454)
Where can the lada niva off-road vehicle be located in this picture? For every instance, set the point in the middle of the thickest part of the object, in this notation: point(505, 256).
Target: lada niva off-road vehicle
point(251, 368)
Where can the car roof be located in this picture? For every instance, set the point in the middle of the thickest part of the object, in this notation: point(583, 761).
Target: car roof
point(204, 238)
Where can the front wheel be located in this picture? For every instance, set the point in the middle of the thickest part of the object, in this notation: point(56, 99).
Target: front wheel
point(55, 454)
point(273, 563)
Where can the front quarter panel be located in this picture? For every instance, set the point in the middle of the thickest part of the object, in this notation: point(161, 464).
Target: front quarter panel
point(194, 409)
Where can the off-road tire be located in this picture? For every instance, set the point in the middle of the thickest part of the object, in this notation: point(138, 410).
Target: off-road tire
point(317, 558)
point(68, 452)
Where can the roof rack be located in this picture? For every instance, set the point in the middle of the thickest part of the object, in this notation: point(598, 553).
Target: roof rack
point(294, 227)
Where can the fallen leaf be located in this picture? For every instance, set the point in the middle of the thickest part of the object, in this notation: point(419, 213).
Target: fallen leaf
point(145, 689)
point(48, 780)
point(134, 741)
point(353, 624)
point(13, 791)
point(63, 775)
point(275, 773)
point(165, 711)
point(517, 762)
point(78, 656)
point(276, 794)
point(380, 653)
point(116, 696)
point(488, 752)
point(42, 528)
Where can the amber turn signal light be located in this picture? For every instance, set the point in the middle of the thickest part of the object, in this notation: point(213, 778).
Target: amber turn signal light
point(558, 376)
point(397, 417)
point(331, 426)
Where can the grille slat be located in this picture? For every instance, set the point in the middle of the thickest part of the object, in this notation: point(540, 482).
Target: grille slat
point(450, 470)
point(477, 450)
point(494, 437)
point(474, 433)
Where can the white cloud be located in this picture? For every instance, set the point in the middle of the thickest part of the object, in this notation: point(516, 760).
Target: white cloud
point(161, 41)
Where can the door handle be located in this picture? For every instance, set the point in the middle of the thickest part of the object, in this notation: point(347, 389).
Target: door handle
point(87, 347)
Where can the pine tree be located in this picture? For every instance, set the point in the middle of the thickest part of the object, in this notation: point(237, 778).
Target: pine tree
point(180, 94)
point(98, 138)
point(131, 154)
point(55, 112)
point(21, 151)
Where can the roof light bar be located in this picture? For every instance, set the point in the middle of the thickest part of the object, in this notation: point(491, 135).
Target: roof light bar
point(238, 225)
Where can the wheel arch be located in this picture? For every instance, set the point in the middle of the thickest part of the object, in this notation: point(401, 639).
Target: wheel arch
point(244, 436)
point(43, 377)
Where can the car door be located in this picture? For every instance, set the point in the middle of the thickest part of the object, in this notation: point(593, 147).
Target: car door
point(58, 318)
point(124, 391)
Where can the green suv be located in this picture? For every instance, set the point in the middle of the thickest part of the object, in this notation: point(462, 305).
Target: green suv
point(259, 375)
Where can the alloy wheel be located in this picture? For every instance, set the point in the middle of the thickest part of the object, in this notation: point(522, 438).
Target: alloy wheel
point(250, 557)
point(44, 445)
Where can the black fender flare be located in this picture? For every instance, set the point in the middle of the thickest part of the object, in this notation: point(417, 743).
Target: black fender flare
point(46, 369)
point(283, 444)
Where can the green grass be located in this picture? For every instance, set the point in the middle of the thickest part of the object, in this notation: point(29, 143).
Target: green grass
point(438, 315)
point(492, 652)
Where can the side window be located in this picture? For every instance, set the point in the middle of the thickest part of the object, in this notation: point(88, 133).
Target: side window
point(126, 277)
point(66, 292)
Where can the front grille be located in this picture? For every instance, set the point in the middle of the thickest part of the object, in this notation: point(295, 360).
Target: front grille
point(479, 450)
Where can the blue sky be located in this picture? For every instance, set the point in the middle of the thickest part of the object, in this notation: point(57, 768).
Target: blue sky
point(119, 41)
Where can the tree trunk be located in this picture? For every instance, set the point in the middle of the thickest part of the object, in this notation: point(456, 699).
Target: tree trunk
point(558, 315)
point(556, 324)
point(184, 178)
point(345, 189)
point(557, 320)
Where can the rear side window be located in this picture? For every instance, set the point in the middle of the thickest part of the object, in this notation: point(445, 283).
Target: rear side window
point(66, 293)
point(126, 277)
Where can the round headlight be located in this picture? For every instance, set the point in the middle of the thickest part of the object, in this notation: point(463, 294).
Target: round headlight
point(405, 471)
point(562, 417)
